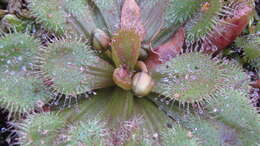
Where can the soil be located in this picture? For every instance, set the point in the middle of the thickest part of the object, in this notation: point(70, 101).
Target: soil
point(4, 133)
point(258, 6)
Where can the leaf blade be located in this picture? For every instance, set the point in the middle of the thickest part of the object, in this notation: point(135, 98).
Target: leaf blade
point(166, 51)
point(125, 48)
point(131, 18)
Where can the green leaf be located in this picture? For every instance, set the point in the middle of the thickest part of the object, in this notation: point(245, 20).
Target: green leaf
point(120, 111)
point(17, 51)
point(50, 14)
point(212, 132)
point(179, 11)
point(235, 77)
point(80, 17)
point(206, 129)
point(90, 132)
point(250, 45)
point(234, 108)
point(71, 67)
point(21, 93)
point(125, 48)
point(203, 22)
point(39, 129)
point(120, 107)
point(229, 118)
point(111, 11)
point(152, 16)
point(186, 80)
point(154, 118)
point(179, 136)
point(63, 16)
point(171, 22)
point(11, 22)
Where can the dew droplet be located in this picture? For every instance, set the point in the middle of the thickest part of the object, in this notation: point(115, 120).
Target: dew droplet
point(12, 73)
point(8, 61)
point(23, 68)
point(155, 135)
point(162, 100)
point(20, 58)
point(82, 68)
point(3, 130)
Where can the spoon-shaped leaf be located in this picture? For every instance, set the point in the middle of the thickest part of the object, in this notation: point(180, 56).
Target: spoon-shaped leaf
point(70, 67)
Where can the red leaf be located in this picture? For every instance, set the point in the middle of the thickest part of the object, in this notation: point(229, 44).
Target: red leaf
point(131, 18)
point(256, 84)
point(166, 51)
point(225, 33)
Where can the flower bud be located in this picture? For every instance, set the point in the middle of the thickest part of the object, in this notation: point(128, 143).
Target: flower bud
point(122, 78)
point(100, 39)
point(142, 84)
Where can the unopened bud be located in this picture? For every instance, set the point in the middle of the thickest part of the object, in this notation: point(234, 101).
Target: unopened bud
point(100, 39)
point(122, 78)
point(142, 84)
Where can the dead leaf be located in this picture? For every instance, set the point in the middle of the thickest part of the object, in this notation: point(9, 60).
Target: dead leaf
point(166, 51)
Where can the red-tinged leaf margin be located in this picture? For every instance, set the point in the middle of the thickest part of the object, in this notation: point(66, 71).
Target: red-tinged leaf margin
point(227, 31)
point(131, 18)
point(166, 51)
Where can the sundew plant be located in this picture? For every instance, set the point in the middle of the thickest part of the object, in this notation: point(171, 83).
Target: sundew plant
point(129, 73)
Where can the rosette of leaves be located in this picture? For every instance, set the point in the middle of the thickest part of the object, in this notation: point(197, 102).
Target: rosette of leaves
point(117, 74)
